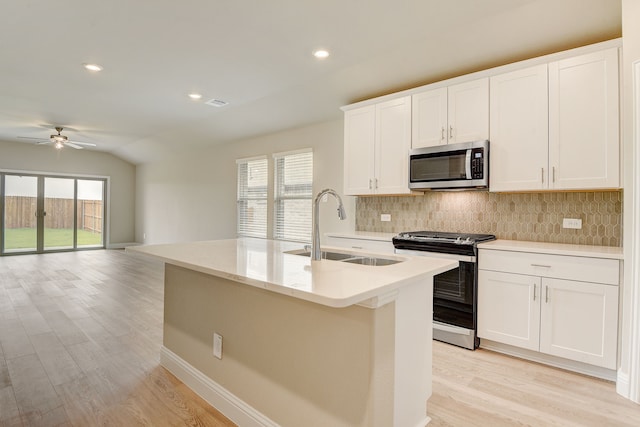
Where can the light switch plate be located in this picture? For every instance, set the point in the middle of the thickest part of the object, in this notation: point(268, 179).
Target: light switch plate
point(572, 223)
point(385, 217)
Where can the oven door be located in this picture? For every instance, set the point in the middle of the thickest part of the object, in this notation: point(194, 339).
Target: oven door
point(454, 296)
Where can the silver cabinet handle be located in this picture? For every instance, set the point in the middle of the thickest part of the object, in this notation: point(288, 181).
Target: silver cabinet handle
point(534, 291)
point(442, 133)
point(450, 131)
point(370, 184)
point(542, 175)
point(540, 265)
point(553, 173)
point(375, 180)
point(546, 294)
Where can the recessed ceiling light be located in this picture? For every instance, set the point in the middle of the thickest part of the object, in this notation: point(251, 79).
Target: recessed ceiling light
point(195, 95)
point(321, 53)
point(92, 67)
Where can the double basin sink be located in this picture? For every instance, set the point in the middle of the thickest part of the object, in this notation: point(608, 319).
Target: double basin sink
point(350, 258)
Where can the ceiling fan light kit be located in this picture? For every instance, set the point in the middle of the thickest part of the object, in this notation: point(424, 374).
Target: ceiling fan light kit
point(59, 141)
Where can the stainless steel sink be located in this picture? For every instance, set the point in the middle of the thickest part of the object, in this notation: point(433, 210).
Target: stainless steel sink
point(351, 258)
point(365, 260)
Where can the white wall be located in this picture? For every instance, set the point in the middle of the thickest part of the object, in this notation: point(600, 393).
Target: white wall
point(45, 159)
point(193, 196)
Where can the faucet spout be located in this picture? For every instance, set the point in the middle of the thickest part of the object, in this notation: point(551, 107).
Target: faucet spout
point(316, 252)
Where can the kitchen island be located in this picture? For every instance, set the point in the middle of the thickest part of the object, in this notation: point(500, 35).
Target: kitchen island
point(311, 343)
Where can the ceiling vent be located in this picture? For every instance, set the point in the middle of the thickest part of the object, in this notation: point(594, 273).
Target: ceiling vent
point(216, 103)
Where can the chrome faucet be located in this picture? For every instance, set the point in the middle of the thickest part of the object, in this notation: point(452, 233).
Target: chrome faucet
point(316, 252)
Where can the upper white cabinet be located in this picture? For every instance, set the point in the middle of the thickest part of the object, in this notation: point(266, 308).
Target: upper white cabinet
point(458, 113)
point(377, 139)
point(519, 151)
point(584, 122)
point(556, 126)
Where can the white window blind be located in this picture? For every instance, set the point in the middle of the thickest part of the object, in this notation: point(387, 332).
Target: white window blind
point(293, 196)
point(252, 197)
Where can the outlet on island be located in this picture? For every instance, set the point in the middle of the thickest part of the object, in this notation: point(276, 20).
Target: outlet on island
point(217, 345)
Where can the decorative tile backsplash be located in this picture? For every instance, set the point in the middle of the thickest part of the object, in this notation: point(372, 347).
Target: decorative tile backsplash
point(513, 216)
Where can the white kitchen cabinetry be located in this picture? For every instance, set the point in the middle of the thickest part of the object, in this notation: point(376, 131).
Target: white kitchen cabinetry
point(457, 113)
point(564, 306)
point(584, 122)
point(376, 242)
point(377, 139)
point(519, 117)
point(556, 126)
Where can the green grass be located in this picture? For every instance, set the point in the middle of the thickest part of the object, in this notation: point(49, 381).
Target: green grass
point(25, 238)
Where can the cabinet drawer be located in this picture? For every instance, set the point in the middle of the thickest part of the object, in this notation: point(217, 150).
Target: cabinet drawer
point(365, 244)
point(584, 269)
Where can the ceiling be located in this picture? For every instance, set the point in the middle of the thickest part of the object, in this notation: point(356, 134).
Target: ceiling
point(254, 54)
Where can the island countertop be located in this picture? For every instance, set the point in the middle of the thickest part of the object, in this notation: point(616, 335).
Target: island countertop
point(266, 264)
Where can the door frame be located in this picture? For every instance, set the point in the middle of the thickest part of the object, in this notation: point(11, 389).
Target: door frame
point(41, 175)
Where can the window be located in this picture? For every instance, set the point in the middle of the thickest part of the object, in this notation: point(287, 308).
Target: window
point(252, 197)
point(293, 195)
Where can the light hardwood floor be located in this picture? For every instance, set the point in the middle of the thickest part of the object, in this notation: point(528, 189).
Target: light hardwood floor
point(80, 337)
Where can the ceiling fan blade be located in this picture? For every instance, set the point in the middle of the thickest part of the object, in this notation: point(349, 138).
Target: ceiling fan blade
point(73, 145)
point(37, 139)
point(88, 144)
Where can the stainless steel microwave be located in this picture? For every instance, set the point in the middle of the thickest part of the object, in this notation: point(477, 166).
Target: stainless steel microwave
point(451, 166)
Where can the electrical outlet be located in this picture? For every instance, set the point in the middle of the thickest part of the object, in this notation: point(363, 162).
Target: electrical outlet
point(575, 223)
point(217, 345)
point(385, 217)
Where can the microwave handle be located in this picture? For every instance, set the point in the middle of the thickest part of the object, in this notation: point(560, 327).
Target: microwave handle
point(468, 164)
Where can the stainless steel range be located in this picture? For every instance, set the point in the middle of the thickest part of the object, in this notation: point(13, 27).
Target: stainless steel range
point(455, 299)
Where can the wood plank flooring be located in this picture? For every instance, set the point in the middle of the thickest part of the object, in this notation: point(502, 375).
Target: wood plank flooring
point(80, 337)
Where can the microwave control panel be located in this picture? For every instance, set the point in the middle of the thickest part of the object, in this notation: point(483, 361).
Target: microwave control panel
point(477, 162)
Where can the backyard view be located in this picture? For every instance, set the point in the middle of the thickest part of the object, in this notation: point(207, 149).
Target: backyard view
point(61, 213)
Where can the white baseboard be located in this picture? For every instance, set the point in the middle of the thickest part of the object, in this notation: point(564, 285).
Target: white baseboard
point(217, 396)
point(121, 245)
point(558, 362)
point(622, 385)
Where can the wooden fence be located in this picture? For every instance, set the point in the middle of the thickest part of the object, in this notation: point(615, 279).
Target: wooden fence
point(20, 213)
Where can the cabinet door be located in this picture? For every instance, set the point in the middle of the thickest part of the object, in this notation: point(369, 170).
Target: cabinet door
point(583, 121)
point(393, 141)
point(429, 118)
point(468, 111)
point(359, 150)
point(579, 321)
point(519, 130)
point(509, 308)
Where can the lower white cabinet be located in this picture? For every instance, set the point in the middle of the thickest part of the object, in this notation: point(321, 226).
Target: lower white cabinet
point(366, 243)
point(530, 301)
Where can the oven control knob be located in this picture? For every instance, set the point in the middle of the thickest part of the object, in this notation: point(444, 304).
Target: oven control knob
point(458, 241)
point(468, 241)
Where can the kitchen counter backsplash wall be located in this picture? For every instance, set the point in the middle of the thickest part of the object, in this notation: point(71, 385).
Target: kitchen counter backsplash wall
point(523, 216)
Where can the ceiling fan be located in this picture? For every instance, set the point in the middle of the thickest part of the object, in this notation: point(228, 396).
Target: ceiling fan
point(59, 141)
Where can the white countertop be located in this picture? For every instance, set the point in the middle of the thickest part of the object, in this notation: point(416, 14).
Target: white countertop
point(264, 264)
point(608, 252)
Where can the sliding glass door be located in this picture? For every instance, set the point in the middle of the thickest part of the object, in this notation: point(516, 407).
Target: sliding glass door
point(50, 213)
point(20, 223)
